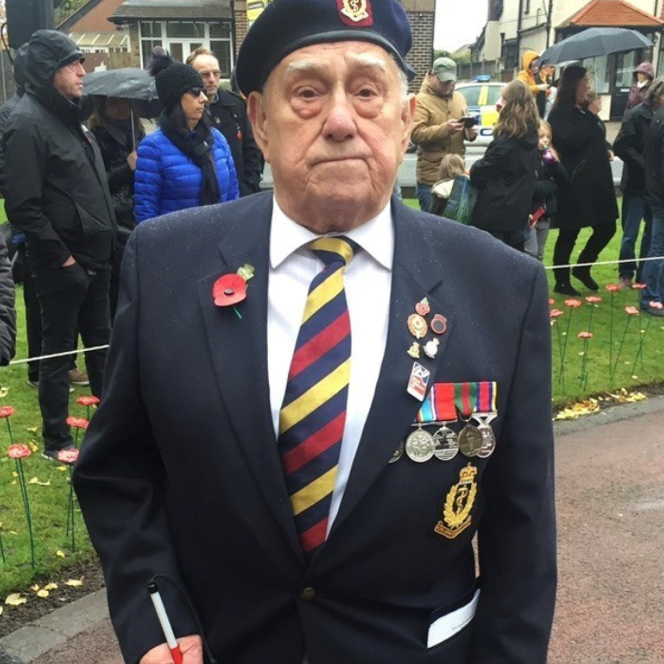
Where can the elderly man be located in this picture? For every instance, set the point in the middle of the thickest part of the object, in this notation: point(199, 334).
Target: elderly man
point(316, 498)
point(57, 195)
point(229, 115)
point(437, 130)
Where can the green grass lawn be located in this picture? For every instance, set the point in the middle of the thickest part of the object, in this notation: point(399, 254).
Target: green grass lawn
point(48, 494)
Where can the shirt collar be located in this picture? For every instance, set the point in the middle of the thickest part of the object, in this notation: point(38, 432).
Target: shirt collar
point(376, 237)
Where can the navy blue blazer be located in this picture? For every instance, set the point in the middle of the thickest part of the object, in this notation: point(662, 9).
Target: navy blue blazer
point(180, 475)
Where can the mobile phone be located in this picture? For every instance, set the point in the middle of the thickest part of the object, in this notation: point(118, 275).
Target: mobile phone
point(468, 121)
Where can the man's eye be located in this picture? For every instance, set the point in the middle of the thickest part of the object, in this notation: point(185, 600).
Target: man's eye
point(367, 93)
point(307, 93)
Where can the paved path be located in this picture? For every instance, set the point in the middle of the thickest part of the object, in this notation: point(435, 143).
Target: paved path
point(610, 494)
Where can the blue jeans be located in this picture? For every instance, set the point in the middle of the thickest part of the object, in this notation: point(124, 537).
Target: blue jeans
point(653, 271)
point(634, 208)
point(423, 192)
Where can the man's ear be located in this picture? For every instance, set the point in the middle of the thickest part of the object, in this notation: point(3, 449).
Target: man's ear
point(407, 115)
point(258, 122)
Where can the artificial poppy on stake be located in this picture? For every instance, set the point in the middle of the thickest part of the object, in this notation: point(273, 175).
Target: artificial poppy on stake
point(613, 289)
point(631, 313)
point(571, 304)
point(231, 289)
point(583, 376)
point(77, 423)
point(88, 401)
point(5, 413)
point(72, 456)
point(18, 453)
point(593, 301)
point(644, 332)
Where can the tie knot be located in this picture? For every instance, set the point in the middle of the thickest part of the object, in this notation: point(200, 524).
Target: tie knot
point(334, 249)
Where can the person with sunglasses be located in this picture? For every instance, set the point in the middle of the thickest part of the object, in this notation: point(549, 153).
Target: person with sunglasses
point(185, 163)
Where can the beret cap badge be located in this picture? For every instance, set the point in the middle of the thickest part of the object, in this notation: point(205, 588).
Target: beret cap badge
point(356, 12)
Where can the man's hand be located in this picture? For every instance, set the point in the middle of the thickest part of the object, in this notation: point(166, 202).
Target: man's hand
point(190, 646)
point(471, 133)
point(69, 262)
point(543, 87)
point(454, 125)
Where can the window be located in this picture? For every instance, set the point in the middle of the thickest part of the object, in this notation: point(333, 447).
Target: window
point(471, 94)
point(180, 38)
point(625, 66)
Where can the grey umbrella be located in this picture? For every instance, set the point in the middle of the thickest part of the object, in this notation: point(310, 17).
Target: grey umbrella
point(593, 43)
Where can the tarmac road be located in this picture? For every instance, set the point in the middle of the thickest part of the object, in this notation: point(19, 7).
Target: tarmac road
point(610, 498)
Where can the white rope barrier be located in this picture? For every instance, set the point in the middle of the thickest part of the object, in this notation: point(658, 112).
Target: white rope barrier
point(546, 267)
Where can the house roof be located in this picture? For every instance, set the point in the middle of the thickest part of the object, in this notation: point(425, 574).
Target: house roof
point(92, 17)
point(612, 13)
point(132, 10)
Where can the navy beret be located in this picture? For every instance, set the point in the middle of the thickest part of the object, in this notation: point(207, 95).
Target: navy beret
point(287, 25)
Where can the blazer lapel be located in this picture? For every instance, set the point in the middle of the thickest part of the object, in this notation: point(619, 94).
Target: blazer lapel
point(416, 274)
point(238, 348)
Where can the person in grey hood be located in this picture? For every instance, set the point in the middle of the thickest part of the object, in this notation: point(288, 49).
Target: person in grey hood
point(57, 195)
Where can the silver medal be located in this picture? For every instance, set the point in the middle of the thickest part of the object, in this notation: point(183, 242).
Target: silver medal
point(488, 437)
point(470, 440)
point(446, 444)
point(398, 453)
point(420, 446)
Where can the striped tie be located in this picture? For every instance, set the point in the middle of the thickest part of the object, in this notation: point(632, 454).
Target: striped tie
point(313, 413)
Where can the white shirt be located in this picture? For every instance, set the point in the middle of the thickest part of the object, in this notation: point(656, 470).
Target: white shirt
point(368, 285)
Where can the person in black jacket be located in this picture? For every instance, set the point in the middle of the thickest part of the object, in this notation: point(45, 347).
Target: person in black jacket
point(653, 271)
point(57, 194)
point(588, 198)
point(505, 176)
point(229, 115)
point(629, 146)
point(118, 131)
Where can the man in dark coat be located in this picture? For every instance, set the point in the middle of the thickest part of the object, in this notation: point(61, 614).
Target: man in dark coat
point(629, 146)
point(344, 547)
point(7, 309)
point(57, 195)
point(229, 115)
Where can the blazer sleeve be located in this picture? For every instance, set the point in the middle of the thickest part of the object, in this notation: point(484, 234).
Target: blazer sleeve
point(517, 535)
point(120, 471)
point(148, 182)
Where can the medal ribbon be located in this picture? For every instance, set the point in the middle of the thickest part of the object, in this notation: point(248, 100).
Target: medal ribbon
point(486, 401)
point(465, 398)
point(425, 413)
point(439, 405)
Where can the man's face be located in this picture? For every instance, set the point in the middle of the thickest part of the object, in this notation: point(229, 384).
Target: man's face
point(208, 67)
point(442, 89)
point(334, 125)
point(68, 80)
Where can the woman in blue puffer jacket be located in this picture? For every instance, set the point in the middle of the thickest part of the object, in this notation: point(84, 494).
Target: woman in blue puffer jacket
point(185, 163)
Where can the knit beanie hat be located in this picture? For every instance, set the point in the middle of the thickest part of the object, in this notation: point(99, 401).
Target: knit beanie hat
point(172, 78)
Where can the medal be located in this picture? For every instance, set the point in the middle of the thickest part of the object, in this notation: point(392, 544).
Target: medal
point(420, 445)
point(398, 453)
point(446, 444)
point(470, 440)
point(417, 326)
point(486, 431)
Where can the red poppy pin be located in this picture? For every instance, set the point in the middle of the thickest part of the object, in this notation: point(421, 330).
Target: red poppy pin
point(231, 289)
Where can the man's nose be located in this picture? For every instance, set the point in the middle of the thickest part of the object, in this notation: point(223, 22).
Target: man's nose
point(340, 124)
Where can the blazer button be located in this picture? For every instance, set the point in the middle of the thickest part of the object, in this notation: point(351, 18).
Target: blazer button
point(308, 594)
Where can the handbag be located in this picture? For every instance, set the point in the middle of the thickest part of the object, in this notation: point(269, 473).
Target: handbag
point(462, 200)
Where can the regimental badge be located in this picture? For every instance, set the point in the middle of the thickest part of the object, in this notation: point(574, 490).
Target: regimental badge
point(417, 326)
point(458, 504)
point(414, 350)
point(356, 13)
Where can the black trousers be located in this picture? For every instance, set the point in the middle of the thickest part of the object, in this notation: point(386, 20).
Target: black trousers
point(562, 251)
point(70, 298)
point(33, 324)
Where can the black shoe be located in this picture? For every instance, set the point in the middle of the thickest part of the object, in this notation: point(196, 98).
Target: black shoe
point(66, 456)
point(653, 311)
point(583, 275)
point(565, 289)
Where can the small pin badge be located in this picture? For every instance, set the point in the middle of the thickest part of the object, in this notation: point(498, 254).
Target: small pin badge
point(431, 348)
point(414, 350)
point(417, 326)
point(418, 381)
point(423, 307)
point(439, 324)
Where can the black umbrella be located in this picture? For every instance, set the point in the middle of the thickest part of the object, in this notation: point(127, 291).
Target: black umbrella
point(127, 83)
point(593, 43)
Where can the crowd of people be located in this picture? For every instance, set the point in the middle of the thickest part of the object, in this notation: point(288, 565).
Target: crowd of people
point(78, 177)
point(549, 152)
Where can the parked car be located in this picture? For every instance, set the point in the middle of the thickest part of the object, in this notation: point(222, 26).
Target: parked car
point(482, 97)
